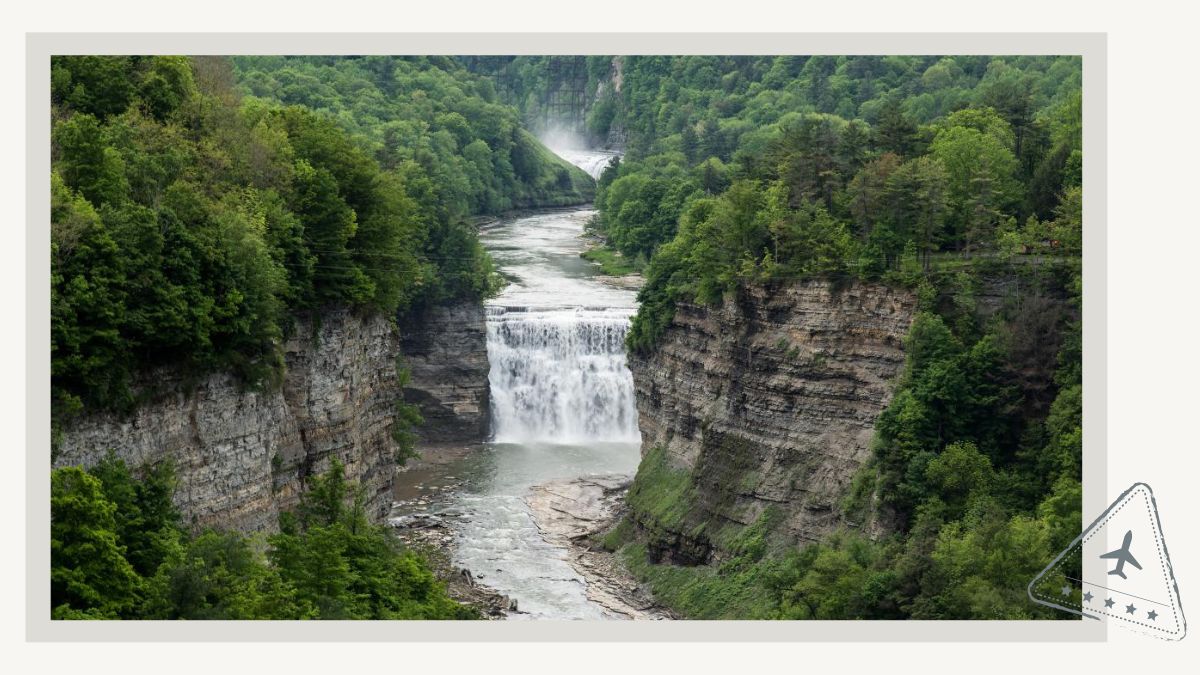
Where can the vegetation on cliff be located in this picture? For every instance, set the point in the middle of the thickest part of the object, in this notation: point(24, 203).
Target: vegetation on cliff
point(193, 218)
point(119, 551)
point(972, 487)
point(556, 93)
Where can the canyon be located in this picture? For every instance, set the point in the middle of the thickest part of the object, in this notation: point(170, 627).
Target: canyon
point(767, 401)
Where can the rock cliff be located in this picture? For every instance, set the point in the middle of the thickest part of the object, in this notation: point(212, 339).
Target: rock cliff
point(243, 456)
point(767, 401)
point(445, 351)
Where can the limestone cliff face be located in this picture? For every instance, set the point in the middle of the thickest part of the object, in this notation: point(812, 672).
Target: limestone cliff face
point(768, 401)
point(445, 350)
point(243, 456)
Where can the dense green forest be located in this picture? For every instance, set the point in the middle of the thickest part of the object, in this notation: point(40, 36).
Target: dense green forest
point(785, 166)
point(945, 175)
point(191, 221)
point(432, 113)
point(119, 551)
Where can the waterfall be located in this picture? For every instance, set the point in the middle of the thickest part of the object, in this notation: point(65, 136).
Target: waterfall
point(559, 375)
point(594, 162)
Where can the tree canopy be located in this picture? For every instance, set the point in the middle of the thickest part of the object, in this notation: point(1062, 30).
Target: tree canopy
point(119, 551)
point(191, 222)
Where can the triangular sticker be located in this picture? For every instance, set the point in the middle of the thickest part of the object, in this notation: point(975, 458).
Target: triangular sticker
point(1118, 570)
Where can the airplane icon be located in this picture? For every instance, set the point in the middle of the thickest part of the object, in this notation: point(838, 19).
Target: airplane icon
point(1122, 556)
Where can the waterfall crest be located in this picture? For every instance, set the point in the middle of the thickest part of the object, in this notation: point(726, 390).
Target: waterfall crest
point(559, 375)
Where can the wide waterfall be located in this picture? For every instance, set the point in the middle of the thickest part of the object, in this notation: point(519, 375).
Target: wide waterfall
point(559, 375)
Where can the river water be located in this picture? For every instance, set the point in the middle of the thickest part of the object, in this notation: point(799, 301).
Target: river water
point(562, 407)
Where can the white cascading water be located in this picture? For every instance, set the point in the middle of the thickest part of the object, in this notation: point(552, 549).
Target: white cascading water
point(591, 161)
point(559, 375)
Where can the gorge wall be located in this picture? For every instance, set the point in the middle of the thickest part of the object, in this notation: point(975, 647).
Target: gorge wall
point(241, 456)
point(768, 401)
point(445, 351)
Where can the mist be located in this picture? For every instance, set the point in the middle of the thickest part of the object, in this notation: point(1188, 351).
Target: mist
point(560, 138)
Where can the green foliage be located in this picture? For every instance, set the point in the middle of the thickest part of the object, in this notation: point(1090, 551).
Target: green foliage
point(853, 160)
point(89, 575)
point(95, 85)
point(612, 263)
point(347, 568)
point(747, 235)
point(703, 592)
point(841, 578)
point(981, 173)
point(661, 493)
point(220, 575)
point(639, 210)
point(188, 226)
point(951, 393)
point(428, 113)
point(118, 551)
point(738, 588)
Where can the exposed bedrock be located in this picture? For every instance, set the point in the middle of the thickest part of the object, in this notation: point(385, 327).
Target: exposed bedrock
point(243, 456)
point(445, 351)
point(769, 400)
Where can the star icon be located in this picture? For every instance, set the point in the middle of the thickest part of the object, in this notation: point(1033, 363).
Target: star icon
point(1108, 602)
point(1087, 597)
point(1066, 590)
point(1130, 609)
point(1152, 615)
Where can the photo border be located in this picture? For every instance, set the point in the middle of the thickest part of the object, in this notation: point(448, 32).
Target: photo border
point(39, 46)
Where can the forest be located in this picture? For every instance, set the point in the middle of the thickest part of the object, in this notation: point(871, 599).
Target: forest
point(120, 550)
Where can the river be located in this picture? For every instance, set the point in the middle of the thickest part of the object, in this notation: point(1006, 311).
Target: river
point(562, 407)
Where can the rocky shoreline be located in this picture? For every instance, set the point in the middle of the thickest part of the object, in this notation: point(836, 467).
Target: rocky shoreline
point(428, 530)
point(572, 514)
point(432, 537)
point(632, 282)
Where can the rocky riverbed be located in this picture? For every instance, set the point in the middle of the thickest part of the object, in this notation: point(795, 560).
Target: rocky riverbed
point(572, 514)
point(432, 535)
point(423, 522)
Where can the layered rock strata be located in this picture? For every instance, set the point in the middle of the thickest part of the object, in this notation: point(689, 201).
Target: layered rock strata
point(768, 401)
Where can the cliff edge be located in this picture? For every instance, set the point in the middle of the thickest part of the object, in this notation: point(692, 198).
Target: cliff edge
point(768, 401)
